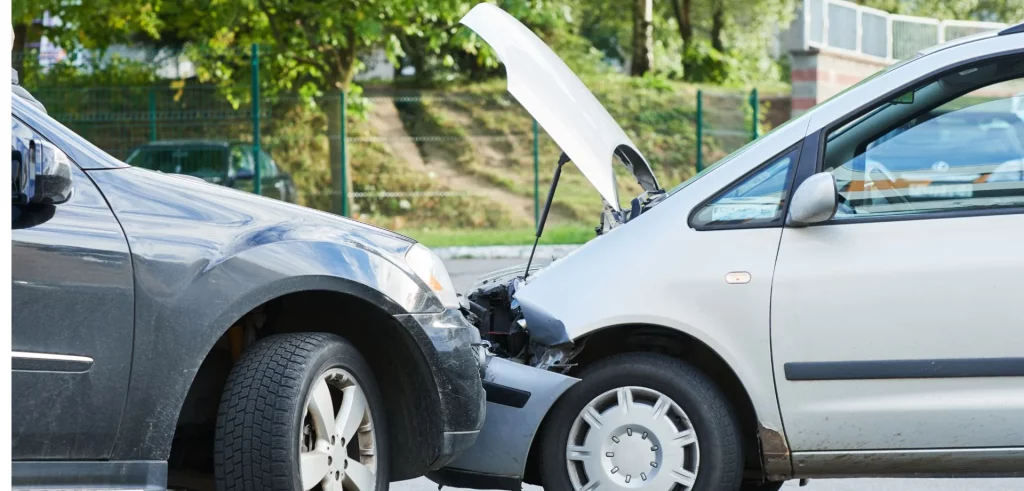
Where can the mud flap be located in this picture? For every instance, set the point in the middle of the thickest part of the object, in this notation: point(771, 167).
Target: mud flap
point(518, 398)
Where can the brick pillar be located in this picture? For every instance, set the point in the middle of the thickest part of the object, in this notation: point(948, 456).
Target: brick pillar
point(816, 75)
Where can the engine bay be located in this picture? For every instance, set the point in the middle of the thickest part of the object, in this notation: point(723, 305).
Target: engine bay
point(526, 333)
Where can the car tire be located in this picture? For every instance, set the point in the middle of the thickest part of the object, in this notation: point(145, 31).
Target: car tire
point(667, 401)
point(275, 427)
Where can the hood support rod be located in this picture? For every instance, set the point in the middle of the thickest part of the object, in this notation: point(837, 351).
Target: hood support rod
point(547, 208)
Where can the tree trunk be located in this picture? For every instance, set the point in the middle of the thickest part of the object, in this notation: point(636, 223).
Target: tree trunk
point(341, 79)
point(717, 26)
point(416, 52)
point(18, 52)
point(684, 21)
point(643, 36)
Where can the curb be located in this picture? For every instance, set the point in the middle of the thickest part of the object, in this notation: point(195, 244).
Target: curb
point(503, 252)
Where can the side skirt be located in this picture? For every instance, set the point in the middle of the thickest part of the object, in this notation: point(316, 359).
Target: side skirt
point(136, 474)
point(962, 462)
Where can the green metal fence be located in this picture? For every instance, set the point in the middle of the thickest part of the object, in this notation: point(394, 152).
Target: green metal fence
point(463, 157)
point(723, 118)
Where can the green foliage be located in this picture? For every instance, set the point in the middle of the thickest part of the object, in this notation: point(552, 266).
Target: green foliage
point(311, 46)
point(109, 72)
point(737, 53)
point(91, 23)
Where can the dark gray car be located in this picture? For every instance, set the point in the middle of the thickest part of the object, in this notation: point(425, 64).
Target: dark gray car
point(170, 332)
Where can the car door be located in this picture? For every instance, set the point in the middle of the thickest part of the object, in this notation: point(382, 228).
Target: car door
point(897, 324)
point(72, 320)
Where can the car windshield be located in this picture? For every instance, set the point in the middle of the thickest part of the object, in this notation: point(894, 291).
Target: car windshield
point(193, 160)
point(814, 109)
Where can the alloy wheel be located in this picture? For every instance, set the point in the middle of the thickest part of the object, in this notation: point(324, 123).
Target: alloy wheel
point(337, 444)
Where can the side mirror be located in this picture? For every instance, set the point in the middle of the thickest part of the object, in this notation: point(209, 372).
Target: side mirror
point(814, 201)
point(40, 174)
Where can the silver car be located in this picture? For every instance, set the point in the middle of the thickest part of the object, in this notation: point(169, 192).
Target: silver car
point(840, 298)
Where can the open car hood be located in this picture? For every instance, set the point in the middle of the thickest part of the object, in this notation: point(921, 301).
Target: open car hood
point(560, 103)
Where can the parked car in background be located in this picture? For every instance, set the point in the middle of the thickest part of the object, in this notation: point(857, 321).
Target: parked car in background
point(840, 298)
point(171, 332)
point(220, 162)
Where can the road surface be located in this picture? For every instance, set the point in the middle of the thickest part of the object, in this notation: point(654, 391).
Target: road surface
point(464, 271)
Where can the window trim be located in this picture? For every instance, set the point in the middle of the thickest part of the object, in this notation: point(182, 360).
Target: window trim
point(822, 136)
point(779, 222)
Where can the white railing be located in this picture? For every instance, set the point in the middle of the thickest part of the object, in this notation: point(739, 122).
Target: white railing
point(846, 26)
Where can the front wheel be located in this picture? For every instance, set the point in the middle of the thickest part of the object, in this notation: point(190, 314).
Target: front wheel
point(301, 412)
point(642, 421)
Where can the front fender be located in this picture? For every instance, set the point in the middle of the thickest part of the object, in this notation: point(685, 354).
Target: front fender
point(655, 271)
point(203, 256)
point(175, 330)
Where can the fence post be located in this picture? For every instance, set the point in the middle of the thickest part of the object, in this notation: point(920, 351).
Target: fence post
point(700, 130)
point(755, 129)
point(536, 175)
point(344, 156)
point(256, 173)
point(152, 114)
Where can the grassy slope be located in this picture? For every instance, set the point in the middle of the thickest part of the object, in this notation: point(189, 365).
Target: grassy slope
point(487, 135)
point(659, 117)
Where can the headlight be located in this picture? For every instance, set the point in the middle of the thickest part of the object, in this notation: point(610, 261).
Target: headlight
point(431, 270)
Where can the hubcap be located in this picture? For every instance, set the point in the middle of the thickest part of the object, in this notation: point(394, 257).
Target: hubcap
point(337, 443)
point(632, 437)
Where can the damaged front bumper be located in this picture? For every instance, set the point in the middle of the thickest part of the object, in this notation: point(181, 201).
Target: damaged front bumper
point(518, 398)
point(529, 351)
point(456, 357)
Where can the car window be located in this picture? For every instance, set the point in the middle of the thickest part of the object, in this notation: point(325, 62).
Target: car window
point(756, 200)
point(194, 160)
point(241, 161)
point(937, 150)
point(267, 166)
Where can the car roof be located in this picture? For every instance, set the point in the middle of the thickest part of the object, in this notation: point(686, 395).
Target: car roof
point(1015, 29)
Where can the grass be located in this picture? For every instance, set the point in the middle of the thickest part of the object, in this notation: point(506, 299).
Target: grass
point(496, 144)
point(562, 234)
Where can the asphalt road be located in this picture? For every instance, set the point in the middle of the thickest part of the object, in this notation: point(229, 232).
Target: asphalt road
point(464, 271)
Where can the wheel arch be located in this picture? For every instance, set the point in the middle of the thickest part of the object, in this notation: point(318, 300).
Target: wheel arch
point(612, 340)
point(358, 313)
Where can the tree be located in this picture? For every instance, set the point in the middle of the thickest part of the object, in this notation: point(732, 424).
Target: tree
point(307, 46)
point(643, 37)
point(683, 12)
point(92, 24)
point(717, 25)
point(727, 41)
